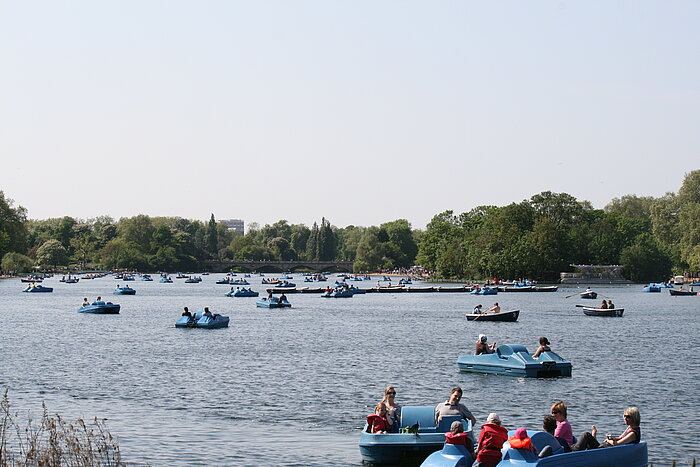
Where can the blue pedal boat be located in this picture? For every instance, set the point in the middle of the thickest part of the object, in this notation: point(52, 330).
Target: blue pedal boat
point(484, 291)
point(37, 288)
point(100, 308)
point(201, 321)
point(515, 360)
point(126, 290)
point(356, 291)
point(338, 294)
point(242, 293)
point(268, 303)
point(239, 282)
point(652, 288)
point(627, 455)
point(393, 448)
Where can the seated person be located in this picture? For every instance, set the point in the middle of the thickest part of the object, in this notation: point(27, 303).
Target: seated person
point(283, 297)
point(187, 313)
point(549, 424)
point(98, 301)
point(482, 347)
point(496, 308)
point(631, 435)
point(207, 313)
point(604, 305)
point(544, 347)
point(610, 305)
point(491, 439)
point(85, 302)
point(563, 430)
point(452, 406)
point(457, 436)
point(478, 309)
point(520, 440)
point(378, 423)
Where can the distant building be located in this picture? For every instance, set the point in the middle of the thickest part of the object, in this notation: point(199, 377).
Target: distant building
point(235, 224)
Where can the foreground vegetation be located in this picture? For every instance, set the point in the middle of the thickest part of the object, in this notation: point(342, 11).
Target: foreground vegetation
point(54, 441)
point(536, 238)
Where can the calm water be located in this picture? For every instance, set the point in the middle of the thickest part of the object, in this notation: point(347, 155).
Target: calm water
point(292, 387)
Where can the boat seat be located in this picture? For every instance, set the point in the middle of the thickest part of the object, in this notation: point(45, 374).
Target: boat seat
point(445, 423)
point(520, 456)
point(424, 416)
point(542, 439)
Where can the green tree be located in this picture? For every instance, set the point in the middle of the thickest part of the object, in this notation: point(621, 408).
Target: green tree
point(13, 232)
point(369, 257)
point(645, 260)
point(137, 230)
point(402, 248)
point(84, 247)
point(52, 253)
point(16, 262)
point(312, 244)
point(327, 242)
point(212, 237)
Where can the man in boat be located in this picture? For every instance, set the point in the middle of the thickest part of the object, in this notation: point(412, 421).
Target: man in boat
point(452, 406)
point(611, 305)
point(283, 297)
point(207, 313)
point(482, 347)
point(187, 313)
point(85, 302)
point(496, 308)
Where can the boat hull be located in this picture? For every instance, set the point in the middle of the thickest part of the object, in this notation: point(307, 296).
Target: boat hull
point(202, 322)
point(515, 360)
point(128, 291)
point(506, 316)
point(681, 293)
point(108, 308)
point(37, 289)
point(606, 312)
point(589, 295)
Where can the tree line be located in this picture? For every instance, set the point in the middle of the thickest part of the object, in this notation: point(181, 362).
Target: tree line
point(537, 238)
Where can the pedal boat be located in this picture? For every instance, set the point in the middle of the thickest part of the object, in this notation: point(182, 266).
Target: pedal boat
point(126, 290)
point(268, 303)
point(515, 360)
point(201, 321)
point(100, 308)
point(242, 293)
point(626, 455)
point(393, 448)
point(37, 288)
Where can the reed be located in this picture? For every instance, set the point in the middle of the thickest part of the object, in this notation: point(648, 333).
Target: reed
point(55, 441)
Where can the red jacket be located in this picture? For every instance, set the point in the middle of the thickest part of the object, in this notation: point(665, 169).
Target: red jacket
point(378, 423)
point(491, 442)
point(459, 438)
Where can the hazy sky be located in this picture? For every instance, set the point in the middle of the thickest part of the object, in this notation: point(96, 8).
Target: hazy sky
point(359, 111)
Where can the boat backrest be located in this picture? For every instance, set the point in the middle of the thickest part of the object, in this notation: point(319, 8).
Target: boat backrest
point(520, 455)
point(423, 415)
point(445, 423)
point(542, 439)
point(455, 450)
point(505, 350)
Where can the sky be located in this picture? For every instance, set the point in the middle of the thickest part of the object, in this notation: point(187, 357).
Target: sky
point(361, 112)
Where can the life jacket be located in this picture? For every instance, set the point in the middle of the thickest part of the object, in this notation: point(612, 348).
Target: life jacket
point(520, 443)
point(457, 438)
point(491, 441)
point(378, 423)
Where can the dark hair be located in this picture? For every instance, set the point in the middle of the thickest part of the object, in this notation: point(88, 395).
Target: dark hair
point(544, 341)
point(456, 389)
point(549, 424)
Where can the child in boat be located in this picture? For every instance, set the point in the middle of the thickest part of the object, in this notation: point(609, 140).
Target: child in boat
point(457, 436)
point(520, 440)
point(377, 421)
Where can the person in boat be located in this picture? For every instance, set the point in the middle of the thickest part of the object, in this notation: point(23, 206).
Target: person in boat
point(520, 440)
point(610, 305)
point(588, 289)
point(604, 305)
point(393, 410)
point(631, 435)
point(544, 347)
point(98, 301)
point(457, 436)
point(283, 298)
point(482, 347)
point(207, 313)
point(269, 295)
point(563, 430)
point(378, 422)
point(452, 406)
point(496, 308)
point(549, 424)
point(187, 313)
point(478, 309)
point(491, 439)
point(85, 302)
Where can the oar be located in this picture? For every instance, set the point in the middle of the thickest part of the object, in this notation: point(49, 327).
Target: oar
point(577, 293)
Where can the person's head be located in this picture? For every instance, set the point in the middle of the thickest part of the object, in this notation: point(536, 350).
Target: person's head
point(99, 298)
point(380, 410)
point(549, 424)
point(494, 419)
point(85, 299)
point(544, 341)
point(456, 427)
point(559, 410)
point(495, 304)
point(482, 338)
point(479, 305)
point(206, 308)
point(632, 416)
point(389, 393)
point(609, 302)
point(455, 395)
point(187, 309)
point(521, 433)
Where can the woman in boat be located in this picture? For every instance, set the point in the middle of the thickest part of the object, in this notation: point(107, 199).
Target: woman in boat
point(563, 430)
point(378, 423)
point(631, 435)
point(544, 347)
point(452, 406)
point(604, 305)
point(482, 347)
point(393, 410)
point(491, 439)
point(478, 309)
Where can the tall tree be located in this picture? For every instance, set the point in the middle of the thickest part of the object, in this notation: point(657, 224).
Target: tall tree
point(52, 253)
point(212, 237)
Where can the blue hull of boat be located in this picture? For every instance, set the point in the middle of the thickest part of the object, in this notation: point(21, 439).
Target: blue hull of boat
point(240, 293)
point(652, 289)
point(38, 288)
point(201, 321)
point(484, 292)
point(264, 303)
point(108, 308)
point(392, 448)
point(515, 360)
point(629, 455)
point(129, 291)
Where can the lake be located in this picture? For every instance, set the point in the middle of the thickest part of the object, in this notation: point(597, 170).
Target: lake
point(292, 387)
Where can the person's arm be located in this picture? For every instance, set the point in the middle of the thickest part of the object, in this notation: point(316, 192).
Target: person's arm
point(537, 352)
point(625, 438)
